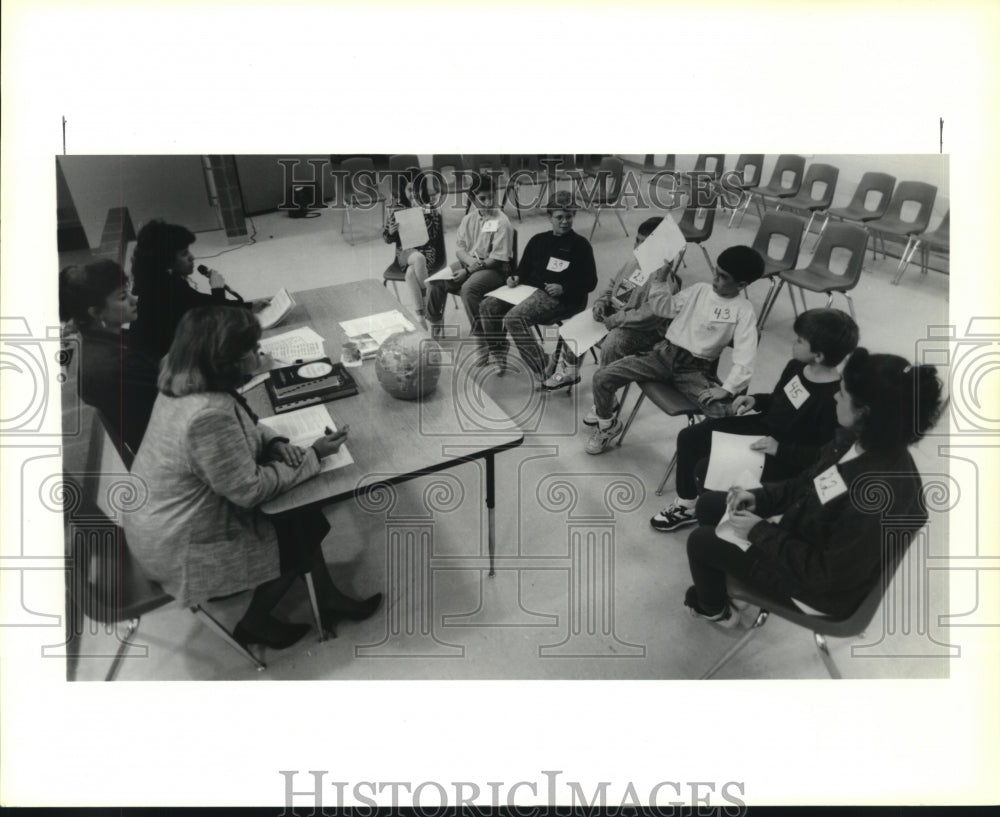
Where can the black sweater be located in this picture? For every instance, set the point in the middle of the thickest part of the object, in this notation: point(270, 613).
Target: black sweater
point(831, 556)
point(163, 300)
point(577, 280)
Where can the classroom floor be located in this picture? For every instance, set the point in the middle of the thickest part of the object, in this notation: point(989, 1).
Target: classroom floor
point(584, 587)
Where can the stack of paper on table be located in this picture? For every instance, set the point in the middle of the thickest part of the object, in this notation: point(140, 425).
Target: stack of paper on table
point(581, 332)
point(272, 314)
point(512, 295)
point(371, 331)
point(664, 244)
point(298, 344)
point(304, 427)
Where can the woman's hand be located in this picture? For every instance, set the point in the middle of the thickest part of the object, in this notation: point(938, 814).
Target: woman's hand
point(287, 453)
point(330, 443)
point(768, 445)
point(739, 499)
point(743, 521)
point(554, 290)
point(215, 280)
point(743, 404)
point(598, 311)
point(513, 281)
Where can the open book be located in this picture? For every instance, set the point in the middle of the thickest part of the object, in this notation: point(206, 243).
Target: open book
point(274, 313)
point(303, 427)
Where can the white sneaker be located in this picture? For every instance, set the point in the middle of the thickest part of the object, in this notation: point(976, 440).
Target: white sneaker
point(603, 437)
point(564, 377)
point(591, 418)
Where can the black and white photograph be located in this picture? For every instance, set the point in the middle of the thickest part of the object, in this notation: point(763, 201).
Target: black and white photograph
point(345, 423)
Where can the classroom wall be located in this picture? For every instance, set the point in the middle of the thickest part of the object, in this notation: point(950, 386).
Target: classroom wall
point(168, 187)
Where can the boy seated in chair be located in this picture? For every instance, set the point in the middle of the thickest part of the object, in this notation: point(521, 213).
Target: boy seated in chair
point(706, 318)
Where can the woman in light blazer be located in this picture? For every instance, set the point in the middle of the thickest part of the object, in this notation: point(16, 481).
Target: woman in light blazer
point(208, 466)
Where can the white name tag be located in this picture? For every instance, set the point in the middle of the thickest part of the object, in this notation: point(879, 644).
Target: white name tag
point(723, 314)
point(490, 225)
point(639, 277)
point(796, 393)
point(829, 484)
point(556, 265)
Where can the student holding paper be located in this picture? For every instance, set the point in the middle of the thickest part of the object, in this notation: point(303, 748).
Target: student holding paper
point(828, 550)
point(207, 466)
point(793, 421)
point(705, 318)
point(484, 249)
point(559, 265)
point(417, 262)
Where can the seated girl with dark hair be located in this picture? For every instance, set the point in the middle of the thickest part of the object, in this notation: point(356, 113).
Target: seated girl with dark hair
point(827, 550)
point(208, 466)
point(114, 377)
point(162, 265)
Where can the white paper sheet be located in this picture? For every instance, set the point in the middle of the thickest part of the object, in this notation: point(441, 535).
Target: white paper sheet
point(582, 331)
point(446, 274)
point(725, 530)
point(731, 458)
point(303, 427)
point(663, 244)
point(512, 295)
point(412, 227)
point(297, 344)
point(256, 381)
point(281, 304)
point(379, 323)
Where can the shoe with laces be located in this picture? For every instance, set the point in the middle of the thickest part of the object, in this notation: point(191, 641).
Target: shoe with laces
point(729, 618)
point(603, 437)
point(673, 517)
point(591, 418)
point(562, 378)
point(500, 361)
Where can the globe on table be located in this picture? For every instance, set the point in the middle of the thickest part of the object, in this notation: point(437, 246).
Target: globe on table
point(408, 365)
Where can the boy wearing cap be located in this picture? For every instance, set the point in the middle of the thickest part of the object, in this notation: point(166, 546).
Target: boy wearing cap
point(559, 264)
point(706, 318)
point(484, 247)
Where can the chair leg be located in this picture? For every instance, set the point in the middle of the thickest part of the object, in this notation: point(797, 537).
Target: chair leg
point(209, 621)
point(809, 224)
point(824, 653)
point(822, 230)
point(314, 604)
point(620, 221)
point(597, 218)
point(395, 289)
point(708, 260)
point(123, 646)
point(850, 304)
point(739, 645)
point(769, 304)
point(904, 261)
point(631, 417)
point(795, 306)
point(666, 474)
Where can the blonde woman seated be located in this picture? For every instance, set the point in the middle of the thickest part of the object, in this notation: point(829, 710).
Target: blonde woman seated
point(208, 467)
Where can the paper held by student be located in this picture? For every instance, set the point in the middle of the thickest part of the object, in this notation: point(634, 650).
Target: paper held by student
point(446, 274)
point(581, 332)
point(724, 530)
point(512, 295)
point(303, 427)
point(412, 227)
point(272, 314)
point(662, 245)
point(731, 458)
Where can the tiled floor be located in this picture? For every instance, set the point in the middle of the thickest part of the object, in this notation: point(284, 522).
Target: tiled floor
point(547, 614)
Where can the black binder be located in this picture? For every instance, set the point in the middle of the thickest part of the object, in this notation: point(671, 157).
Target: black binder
point(306, 384)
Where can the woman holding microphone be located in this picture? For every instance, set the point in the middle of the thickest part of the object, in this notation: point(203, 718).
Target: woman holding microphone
point(208, 467)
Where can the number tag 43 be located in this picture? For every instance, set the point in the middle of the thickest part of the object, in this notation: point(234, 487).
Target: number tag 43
point(829, 485)
point(796, 393)
point(723, 314)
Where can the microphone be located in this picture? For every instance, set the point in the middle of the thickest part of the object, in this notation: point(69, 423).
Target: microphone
point(207, 273)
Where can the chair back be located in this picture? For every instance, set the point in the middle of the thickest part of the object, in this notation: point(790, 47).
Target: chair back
point(942, 234)
point(407, 163)
point(609, 178)
point(841, 235)
point(787, 163)
point(717, 160)
point(818, 174)
point(922, 194)
point(881, 183)
point(354, 168)
point(755, 161)
point(788, 225)
point(689, 220)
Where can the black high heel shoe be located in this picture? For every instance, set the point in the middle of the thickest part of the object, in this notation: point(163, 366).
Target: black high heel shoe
point(351, 610)
point(278, 635)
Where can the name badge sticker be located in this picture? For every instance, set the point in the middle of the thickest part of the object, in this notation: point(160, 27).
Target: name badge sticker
point(556, 265)
point(490, 225)
point(638, 277)
point(829, 485)
point(796, 393)
point(723, 314)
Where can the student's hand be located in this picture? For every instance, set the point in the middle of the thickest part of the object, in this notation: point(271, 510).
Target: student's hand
point(743, 404)
point(330, 443)
point(675, 283)
point(598, 311)
point(215, 280)
point(768, 445)
point(740, 499)
point(743, 521)
point(392, 226)
point(555, 290)
point(287, 453)
point(513, 281)
point(711, 395)
point(615, 319)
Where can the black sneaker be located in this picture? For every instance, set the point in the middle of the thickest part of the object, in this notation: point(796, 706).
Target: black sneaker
point(673, 517)
point(729, 618)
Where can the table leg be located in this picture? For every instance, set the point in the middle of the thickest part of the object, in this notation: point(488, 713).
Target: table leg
point(490, 507)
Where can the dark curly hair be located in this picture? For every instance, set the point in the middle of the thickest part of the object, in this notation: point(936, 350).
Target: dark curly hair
point(84, 288)
point(899, 402)
point(156, 248)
